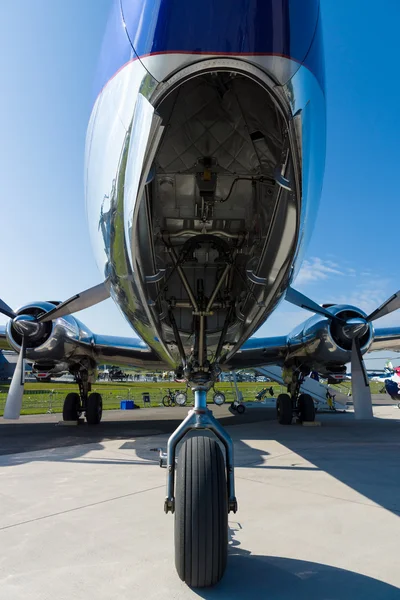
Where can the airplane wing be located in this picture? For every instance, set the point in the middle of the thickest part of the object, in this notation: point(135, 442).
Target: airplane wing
point(99, 349)
point(123, 351)
point(257, 352)
point(386, 338)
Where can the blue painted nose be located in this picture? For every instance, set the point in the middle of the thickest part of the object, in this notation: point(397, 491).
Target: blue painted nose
point(228, 27)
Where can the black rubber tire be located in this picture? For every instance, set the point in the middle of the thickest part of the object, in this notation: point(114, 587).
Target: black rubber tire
point(71, 407)
point(94, 409)
point(201, 513)
point(240, 409)
point(166, 401)
point(284, 409)
point(306, 408)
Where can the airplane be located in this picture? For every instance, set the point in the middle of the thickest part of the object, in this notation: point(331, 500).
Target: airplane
point(392, 386)
point(7, 365)
point(204, 163)
point(379, 375)
point(390, 377)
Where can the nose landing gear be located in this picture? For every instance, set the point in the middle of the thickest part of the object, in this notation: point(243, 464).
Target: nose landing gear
point(201, 492)
point(200, 483)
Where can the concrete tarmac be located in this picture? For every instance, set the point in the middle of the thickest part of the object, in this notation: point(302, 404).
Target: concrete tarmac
point(318, 515)
point(37, 432)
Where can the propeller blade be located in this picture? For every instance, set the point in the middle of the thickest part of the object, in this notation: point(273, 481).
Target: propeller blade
point(361, 391)
point(391, 304)
point(13, 405)
point(6, 310)
point(298, 299)
point(85, 299)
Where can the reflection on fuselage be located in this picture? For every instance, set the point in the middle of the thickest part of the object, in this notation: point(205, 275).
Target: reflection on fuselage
point(220, 121)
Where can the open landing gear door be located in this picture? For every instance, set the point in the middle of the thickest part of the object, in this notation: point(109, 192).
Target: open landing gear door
point(145, 134)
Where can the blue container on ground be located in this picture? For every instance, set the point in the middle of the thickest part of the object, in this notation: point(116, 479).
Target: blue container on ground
point(127, 405)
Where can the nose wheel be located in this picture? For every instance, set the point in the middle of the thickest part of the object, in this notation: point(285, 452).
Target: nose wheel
point(201, 513)
point(201, 492)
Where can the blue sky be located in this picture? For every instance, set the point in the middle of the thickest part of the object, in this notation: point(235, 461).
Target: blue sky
point(48, 57)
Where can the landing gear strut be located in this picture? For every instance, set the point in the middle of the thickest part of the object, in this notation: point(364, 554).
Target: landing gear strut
point(200, 483)
point(75, 404)
point(201, 492)
point(294, 404)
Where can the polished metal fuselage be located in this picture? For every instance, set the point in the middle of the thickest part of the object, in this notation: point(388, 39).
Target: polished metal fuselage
point(141, 206)
point(147, 135)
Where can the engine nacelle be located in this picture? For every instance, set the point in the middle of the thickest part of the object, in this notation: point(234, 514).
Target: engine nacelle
point(323, 344)
point(53, 341)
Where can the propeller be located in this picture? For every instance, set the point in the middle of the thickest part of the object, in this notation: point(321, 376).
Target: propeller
point(362, 400)
point(6, 310)
point(353, 329)
point(85, 299)
point(13, 405)
point(298, 299)
point(391, 304)
point(30, 328)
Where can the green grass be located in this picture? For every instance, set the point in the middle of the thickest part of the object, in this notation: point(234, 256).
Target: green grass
point(375, 386)
point(40, 397)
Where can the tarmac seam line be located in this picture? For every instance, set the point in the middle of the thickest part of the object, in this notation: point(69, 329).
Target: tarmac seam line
point(69, 510)
point(288, 487)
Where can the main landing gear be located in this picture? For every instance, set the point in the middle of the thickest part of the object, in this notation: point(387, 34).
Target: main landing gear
point(200, 492)
point(76, 404)
point(294, 404)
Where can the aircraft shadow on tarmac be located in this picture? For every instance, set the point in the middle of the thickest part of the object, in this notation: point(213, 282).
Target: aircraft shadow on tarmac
point(278, 578)
point(272, 577)
point(362, 455)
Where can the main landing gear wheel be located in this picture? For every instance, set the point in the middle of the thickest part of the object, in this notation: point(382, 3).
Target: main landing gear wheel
point(306, 408)
point(201, 513)
point(94, 409)
point(71, 407)
point(284, 409)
